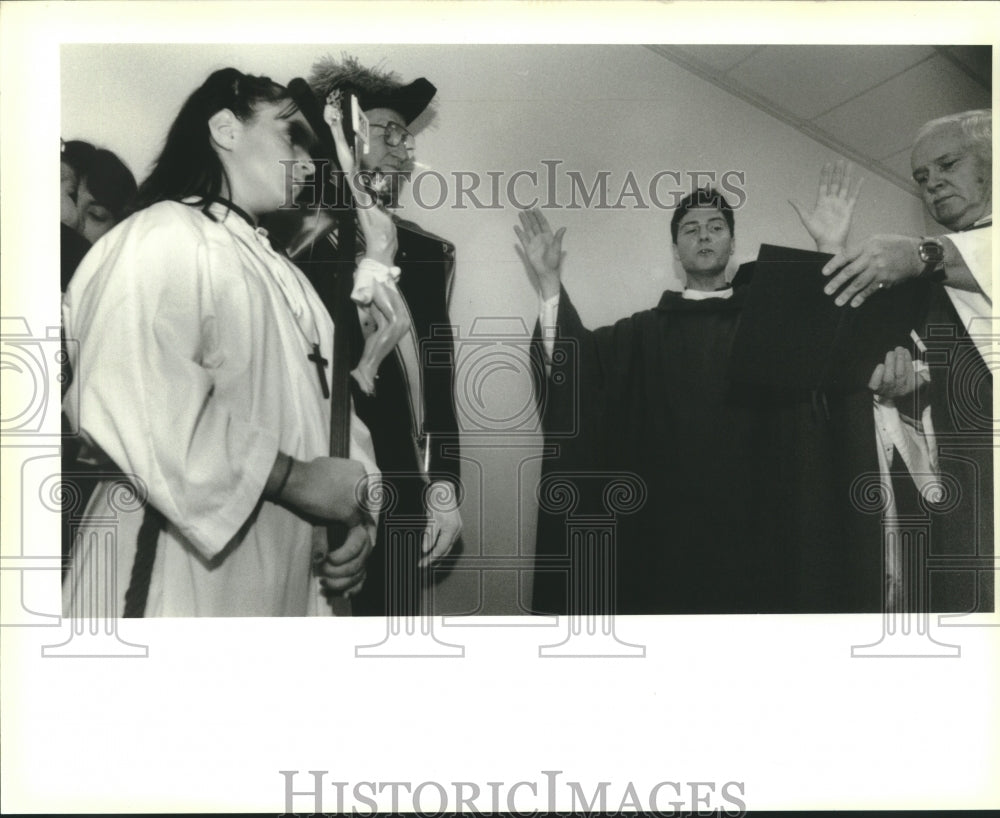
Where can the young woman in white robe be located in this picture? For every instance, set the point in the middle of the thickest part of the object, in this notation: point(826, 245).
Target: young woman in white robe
point(197, 379)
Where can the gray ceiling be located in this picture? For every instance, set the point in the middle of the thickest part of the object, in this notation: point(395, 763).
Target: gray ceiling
point(865, 102)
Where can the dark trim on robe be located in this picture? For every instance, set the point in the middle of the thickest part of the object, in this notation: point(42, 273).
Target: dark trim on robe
point(961, 398)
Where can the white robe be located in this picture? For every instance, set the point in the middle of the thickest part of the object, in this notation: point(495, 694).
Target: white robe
point(976, 309)
point(192, 375)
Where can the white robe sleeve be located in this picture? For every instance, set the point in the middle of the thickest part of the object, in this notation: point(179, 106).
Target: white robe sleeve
point(147, 317)
point(975, 247)
point(975, 309)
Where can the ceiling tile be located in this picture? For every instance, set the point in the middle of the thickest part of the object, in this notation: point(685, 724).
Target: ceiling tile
point(899, 164)
point(719, 57)
point(807, 80)
point(883, 121)
point(976, 59)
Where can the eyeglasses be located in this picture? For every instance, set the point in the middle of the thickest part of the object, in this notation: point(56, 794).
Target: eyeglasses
point(396, 135)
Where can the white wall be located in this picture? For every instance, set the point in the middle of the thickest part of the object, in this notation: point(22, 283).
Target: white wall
point(504, 109)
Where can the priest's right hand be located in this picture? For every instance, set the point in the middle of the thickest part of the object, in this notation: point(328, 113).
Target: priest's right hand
point(326, 488)
point(540, 251)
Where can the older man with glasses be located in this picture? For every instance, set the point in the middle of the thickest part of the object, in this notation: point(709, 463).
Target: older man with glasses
point(408, 403)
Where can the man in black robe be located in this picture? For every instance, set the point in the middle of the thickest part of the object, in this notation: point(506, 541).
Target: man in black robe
point(409, 408)
point(747, 504)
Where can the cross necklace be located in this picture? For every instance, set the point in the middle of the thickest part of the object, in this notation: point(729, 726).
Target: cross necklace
point(316, 356)
point(321, 363)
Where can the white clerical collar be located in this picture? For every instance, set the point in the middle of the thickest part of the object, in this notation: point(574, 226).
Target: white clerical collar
point(702, 295)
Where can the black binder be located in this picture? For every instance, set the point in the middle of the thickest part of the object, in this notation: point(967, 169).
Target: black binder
point(793, 337)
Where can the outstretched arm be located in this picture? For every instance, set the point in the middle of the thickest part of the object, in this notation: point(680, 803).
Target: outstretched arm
point(883, 260)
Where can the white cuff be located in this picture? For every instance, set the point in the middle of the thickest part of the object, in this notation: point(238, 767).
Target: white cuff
point(548, 312)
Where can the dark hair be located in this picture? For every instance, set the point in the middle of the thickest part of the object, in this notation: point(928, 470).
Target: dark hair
point(702, 197)
point(78, 155)
point(188, 165)
point(110, 181)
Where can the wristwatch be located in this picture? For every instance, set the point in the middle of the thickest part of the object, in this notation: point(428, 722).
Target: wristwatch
point(931, 253)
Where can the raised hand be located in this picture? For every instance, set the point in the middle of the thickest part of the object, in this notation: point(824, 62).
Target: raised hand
point(829, 221)
point(540, 251)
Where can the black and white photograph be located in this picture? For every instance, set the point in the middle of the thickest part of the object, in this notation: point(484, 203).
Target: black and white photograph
point(405, 384)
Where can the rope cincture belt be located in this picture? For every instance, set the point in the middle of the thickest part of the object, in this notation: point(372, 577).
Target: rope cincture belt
point(142, 569)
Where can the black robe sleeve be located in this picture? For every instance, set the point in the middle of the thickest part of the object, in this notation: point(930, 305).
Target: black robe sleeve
point(588, 369)
point(427, 263)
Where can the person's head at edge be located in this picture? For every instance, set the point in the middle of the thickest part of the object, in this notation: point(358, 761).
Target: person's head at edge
point(231, 139)
point(702, 228)
point(390, 106)
point(96, 188)
point(952, 165)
